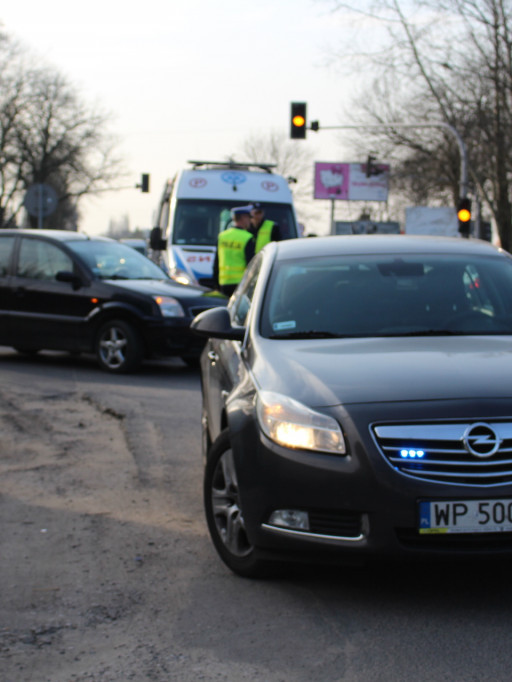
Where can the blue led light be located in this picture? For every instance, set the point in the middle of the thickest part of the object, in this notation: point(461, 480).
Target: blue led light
point(412, 454)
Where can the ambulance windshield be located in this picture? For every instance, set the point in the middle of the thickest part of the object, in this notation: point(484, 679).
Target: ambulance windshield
point(199, 223)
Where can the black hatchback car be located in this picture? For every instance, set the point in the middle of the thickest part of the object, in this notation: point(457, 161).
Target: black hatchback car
point(357, 402)
point(63, 290)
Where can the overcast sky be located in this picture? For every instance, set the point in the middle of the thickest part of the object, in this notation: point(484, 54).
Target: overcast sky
point(189, 80)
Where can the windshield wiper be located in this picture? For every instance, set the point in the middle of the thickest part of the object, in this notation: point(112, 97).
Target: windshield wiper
point(311, 334)
point(428, 332)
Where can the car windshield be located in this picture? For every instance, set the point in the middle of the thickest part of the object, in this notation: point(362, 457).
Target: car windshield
point(389, 295)
point(111, 260)
point(199, 222)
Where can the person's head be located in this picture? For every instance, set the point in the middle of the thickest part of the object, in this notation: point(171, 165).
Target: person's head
point(257, 215)
point(242, 217)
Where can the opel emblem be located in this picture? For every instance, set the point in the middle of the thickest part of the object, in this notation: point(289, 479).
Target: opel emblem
point(481, 440)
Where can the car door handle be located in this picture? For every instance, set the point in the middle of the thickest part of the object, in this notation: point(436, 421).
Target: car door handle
point(212, 356)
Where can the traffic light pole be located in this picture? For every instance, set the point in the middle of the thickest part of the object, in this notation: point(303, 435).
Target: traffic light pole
point(463, 184)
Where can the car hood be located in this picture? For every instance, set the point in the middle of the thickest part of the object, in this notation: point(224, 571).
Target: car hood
point(164, 287)
point(325, 372)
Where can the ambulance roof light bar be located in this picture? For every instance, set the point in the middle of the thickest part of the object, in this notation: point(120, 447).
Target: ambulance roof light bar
point(239, 165)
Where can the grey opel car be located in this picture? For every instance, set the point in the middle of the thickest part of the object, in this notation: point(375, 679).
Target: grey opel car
point(357, 403)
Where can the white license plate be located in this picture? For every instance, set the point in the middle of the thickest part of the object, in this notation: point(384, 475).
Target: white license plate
point(466, 516)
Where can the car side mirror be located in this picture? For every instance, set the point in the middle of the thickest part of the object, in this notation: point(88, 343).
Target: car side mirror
point(67, 276)
point(216, 323)
point(155, 240)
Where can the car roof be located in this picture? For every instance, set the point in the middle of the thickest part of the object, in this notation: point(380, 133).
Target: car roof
point(60, 235)
point(379, 244)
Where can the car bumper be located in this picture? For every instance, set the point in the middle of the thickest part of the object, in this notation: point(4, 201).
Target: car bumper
point(172, 338)
point(358, 506)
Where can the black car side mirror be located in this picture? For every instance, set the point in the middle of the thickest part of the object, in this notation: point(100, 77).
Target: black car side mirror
point(66, 276)
point(155, 240)
point(216, 323)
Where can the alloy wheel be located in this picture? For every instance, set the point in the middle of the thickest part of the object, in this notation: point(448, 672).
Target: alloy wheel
point(226, 507)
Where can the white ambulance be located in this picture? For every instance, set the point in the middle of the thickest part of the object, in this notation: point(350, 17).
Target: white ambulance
point(196, 205)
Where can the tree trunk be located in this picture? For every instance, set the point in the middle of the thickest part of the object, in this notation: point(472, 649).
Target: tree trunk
point(504, 218)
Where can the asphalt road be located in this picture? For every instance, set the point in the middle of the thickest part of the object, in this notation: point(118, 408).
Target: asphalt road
point(107, 572)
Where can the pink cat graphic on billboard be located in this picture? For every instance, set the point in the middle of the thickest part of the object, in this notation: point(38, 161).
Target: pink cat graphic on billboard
point(348, 181)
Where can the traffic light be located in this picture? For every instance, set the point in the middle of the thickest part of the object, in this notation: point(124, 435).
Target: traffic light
point(298, 121)
point(144, 185)
point(370, 168)
point(464, 216)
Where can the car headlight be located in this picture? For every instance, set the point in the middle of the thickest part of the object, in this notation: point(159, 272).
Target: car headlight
point(181, 276)
point(294, 425)
point(169, 306)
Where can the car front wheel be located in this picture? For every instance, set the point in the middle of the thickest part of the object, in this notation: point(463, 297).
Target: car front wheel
point(224, 513)
point(118, 347)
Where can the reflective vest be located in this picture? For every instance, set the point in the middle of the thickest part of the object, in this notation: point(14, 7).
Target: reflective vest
point(264, 234)
point(231, 254)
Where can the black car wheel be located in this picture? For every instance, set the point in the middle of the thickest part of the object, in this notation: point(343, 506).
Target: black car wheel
point(118, 347)
point(224, 513)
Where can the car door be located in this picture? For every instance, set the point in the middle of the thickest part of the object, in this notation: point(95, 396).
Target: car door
point(7, 243)
point(46, 313)
point(224, 356)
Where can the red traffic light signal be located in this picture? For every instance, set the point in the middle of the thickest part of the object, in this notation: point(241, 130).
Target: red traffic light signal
point(298, 121)
point(464, 215)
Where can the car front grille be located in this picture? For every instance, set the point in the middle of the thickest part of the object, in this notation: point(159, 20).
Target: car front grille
point(465, 453)
point(206, 282)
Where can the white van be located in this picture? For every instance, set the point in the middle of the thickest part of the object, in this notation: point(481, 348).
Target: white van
point(196, 205)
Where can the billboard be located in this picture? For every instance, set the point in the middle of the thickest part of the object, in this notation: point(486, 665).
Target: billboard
point(436, 220)
point(348, 181)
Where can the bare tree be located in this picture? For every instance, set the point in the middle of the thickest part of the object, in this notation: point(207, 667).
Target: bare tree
point(12, 88)
point(448, 61)
point(48, 135)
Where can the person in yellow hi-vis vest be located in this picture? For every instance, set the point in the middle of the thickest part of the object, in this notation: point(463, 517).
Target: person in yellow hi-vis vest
point(264, 230)
point(235, 248)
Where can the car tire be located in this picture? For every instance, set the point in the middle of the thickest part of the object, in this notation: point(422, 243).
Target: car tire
point(118, 347)
point(224, 514)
